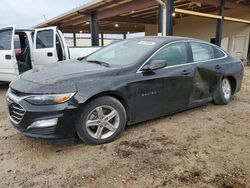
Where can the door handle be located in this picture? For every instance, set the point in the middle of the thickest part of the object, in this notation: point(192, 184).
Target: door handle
point(49, 54)
point(8, 57)
point(185, 72)
point(217, 67)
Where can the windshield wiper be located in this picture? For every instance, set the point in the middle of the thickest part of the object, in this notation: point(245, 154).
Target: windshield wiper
point(99, 62)
point(81, 58)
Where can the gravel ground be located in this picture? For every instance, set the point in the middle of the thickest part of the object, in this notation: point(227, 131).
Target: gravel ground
point(204, 147)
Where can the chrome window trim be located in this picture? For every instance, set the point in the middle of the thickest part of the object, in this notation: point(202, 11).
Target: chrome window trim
point(191, 63)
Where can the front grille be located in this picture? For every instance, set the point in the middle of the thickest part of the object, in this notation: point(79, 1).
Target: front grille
point(16, 111)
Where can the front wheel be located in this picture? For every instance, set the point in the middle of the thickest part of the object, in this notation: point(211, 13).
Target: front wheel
point(223, 93)
point(102, 121)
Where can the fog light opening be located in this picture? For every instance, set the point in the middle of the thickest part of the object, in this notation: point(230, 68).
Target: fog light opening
point(44, 123)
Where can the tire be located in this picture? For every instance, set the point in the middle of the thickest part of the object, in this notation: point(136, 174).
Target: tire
point(101, 121)
point(223, 93)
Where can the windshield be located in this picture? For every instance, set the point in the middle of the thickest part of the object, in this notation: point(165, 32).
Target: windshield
point(123, 53)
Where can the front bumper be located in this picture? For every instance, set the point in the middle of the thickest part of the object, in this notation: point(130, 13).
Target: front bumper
point(31, 119)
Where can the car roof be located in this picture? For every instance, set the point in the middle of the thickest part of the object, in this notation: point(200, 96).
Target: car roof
point(167, 39)
point(162, 38)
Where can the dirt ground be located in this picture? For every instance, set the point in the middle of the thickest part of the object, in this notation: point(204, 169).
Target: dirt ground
point(204, 147)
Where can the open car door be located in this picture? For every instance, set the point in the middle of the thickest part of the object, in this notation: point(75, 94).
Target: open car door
point(44, 51)
point(8, 63)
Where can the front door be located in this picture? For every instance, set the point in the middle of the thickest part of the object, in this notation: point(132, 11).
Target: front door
point(165, 90)
point(8, 65)
point(44, 51)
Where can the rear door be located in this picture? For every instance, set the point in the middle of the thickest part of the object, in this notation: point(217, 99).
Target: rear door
point(210, 68)
point(8, 65)
point(44, 51)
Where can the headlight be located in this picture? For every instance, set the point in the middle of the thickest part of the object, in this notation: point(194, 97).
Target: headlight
point(49, 99)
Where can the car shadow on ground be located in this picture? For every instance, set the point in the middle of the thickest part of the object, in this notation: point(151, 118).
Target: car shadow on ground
point(55, 145)
point(4, 85)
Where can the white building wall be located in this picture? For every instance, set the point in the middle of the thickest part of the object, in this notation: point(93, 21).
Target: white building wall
point(235, 35)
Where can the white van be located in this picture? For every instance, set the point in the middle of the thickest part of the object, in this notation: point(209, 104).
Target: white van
point(24, 49)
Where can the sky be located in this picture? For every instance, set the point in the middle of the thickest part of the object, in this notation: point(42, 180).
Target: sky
point(27, 13)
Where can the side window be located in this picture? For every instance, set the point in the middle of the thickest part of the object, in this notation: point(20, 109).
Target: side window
point(174, 54)
point(202, 51)
point(5, 39)
point(45, 39)
point(218, 53)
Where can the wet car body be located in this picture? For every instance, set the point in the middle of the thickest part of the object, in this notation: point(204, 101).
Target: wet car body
point(144, 94)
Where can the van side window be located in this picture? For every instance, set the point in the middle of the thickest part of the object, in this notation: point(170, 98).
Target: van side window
point(45, 39)
point(218, 53)
point(174, 54)
point(5, 39)
point(201, 52)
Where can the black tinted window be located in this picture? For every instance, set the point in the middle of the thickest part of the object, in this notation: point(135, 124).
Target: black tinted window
point(218, 53)
point(45, 39)
point(174, 54)
point(5, 39)
point(202, 51)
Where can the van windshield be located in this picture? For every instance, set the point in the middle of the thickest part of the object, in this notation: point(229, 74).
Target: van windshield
point(123, 53)
point(5, 39)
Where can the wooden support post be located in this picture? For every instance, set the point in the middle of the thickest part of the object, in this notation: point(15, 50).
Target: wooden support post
point(219, 26)
point(74, 38)
point(160, 19)
point(170, 10)
point(102, 39)
point(94, 30)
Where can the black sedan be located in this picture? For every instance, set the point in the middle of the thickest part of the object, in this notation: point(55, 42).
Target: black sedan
point(124, 83)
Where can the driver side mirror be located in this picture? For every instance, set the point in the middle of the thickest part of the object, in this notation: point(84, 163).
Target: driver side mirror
point(154, 65)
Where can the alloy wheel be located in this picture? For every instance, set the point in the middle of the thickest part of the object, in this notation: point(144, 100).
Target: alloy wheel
point(226, 88)
point(102, 122)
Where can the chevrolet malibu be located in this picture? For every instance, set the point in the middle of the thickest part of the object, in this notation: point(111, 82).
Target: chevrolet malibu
point(124, 83)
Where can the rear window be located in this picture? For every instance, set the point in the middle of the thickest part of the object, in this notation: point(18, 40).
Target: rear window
point(5, 39)
point(202, 51)
point(218, 53)
point(45, 39)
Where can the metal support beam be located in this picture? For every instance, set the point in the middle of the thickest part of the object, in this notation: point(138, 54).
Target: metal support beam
point(74, 39)
point(160, 20)
point(206, 15)
point(124, 36)
point(228, 4)
point(219, 26)
point(102, 39)
point(170, 10)
point(94, 30)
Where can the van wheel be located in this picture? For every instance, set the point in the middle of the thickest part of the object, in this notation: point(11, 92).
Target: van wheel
point(101, 121)
point(223, 93)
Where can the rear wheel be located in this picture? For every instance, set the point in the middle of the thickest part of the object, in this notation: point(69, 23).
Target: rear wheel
point(223, 93)
point(101, 121)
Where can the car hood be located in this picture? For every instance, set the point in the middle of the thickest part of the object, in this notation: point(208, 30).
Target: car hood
point(62, 71)
point(60, 77)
